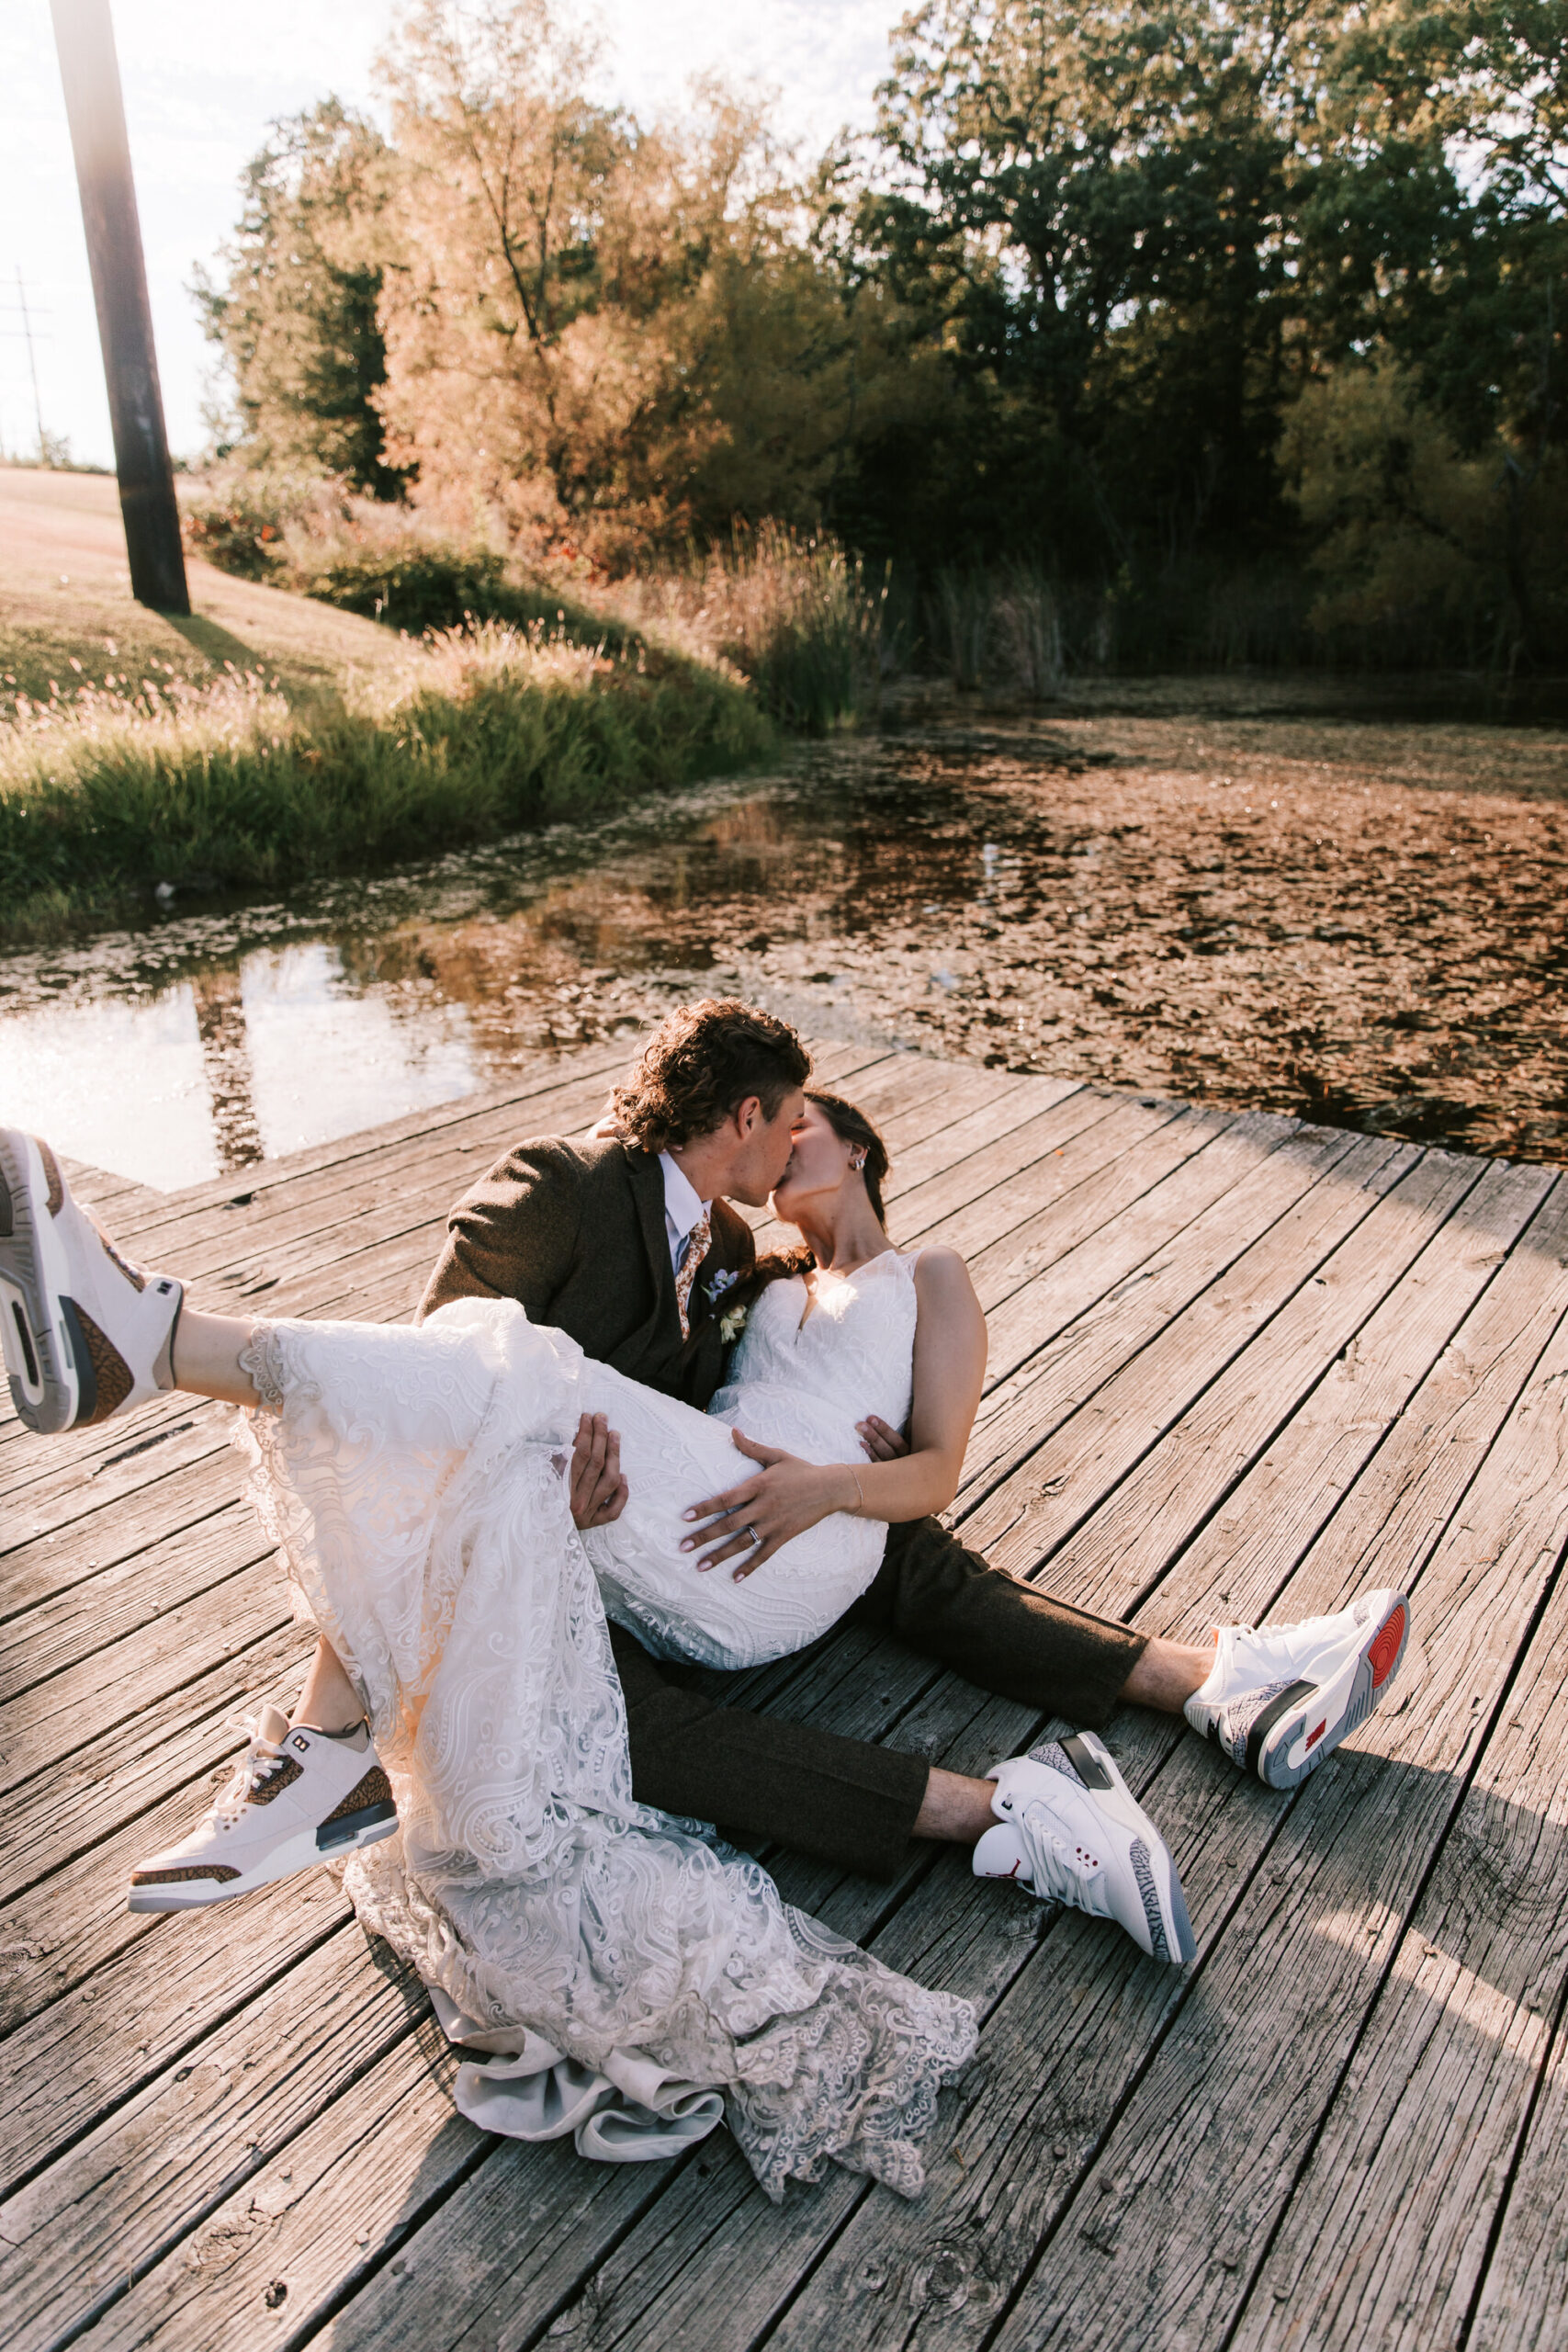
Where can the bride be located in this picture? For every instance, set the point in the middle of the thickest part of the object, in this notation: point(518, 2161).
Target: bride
point(412, 1481)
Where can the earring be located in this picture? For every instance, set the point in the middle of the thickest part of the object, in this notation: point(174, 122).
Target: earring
point(858, 1164)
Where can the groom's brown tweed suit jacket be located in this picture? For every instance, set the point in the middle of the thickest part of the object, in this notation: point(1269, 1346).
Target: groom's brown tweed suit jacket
point(576, 1231)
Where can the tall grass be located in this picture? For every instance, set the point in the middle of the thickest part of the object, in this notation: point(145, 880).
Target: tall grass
point(473, 733)
point(793, 615)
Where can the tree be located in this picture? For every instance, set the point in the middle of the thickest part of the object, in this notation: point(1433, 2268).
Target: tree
point(1090, 207)
point(296, 315)
point(1436, 239)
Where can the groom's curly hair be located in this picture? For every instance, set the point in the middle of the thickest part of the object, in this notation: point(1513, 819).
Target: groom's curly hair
point(700, 1061)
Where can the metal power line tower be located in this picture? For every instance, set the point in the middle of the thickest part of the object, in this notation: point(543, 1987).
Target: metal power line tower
point(84, 37)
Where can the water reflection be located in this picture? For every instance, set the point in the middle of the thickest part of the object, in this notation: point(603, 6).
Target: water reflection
point(215, 1037)
point(1211, 919)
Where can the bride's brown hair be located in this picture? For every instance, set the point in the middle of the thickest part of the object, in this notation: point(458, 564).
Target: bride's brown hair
point(851, 1127)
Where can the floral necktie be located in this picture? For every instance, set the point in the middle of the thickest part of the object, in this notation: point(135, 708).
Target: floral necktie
point(698, 1242)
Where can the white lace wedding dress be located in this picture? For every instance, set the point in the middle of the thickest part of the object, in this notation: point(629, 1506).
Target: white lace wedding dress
point(412, 1480)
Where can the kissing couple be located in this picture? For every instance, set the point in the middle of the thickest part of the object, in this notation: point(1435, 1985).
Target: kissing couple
point(616, 1439)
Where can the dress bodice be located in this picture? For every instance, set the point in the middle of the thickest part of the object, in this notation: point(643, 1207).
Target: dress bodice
point(798, 1380)
point(806, 1371)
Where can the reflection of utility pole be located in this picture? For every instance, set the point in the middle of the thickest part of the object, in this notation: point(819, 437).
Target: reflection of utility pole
point(226, 1064)
point(84, 37)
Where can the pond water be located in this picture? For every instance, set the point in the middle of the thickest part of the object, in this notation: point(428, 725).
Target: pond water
point(215, 1034)
point(1357, 921)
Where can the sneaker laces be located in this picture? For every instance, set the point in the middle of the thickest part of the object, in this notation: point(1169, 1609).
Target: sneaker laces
point(252, 1771)
point(1059, 1874)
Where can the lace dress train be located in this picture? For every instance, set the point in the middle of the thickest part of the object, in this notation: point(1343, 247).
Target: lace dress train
point(413, 1482)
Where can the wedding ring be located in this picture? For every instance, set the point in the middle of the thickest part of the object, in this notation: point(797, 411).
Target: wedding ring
point(756, 1539)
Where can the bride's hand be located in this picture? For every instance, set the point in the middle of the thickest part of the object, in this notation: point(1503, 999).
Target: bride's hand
point(785, 1498)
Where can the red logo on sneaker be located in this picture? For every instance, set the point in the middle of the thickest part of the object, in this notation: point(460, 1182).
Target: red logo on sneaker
point(1385, 1649)
point(1314, 1736)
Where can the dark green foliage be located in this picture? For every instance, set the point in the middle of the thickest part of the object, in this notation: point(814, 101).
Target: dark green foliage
point(1137, 236)
point(426, 586)
point(1170, 308)
point(297, 315)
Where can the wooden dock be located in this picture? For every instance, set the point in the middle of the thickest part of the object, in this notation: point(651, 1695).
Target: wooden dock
point(1239, 1367)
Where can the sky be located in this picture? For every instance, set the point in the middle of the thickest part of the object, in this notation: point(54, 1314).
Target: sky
point(201, 84)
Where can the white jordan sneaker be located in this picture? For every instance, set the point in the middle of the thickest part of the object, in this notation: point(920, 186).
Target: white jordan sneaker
point(1069, 1828)
point(295, 1798)
point(1280, 1698)
point(85, 1335)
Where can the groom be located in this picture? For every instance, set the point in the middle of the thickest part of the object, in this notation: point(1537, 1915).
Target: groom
point(628, 1242)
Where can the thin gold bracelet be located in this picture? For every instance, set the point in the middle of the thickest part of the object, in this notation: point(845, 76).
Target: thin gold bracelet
point(860, 1490)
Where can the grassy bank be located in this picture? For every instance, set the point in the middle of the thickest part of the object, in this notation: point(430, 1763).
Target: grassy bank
point(123, 787)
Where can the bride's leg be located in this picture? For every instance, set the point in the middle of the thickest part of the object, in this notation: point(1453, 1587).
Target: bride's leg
point(328, 1700)
point(206, 1357)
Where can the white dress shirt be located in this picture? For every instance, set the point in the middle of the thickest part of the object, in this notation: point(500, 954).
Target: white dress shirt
point(681, 1208)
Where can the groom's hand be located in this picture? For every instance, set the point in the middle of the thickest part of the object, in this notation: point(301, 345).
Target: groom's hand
point(598, 1490)
point(881, 1442)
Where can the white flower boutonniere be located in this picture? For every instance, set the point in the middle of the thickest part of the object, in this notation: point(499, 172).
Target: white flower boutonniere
point(730, 1326)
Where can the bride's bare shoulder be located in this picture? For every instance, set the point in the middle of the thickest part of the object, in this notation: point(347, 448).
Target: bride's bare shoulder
point(941, 1271)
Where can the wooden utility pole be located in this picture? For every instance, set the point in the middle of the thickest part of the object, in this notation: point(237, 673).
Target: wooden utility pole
point(84, 37)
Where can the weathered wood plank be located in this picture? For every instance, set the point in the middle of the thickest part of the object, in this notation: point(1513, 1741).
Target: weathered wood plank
point(1203, 1454)
point(1204, 2153)
point(1125, 1281)
point(1120, 1376)
point(68, 1809)
point(948, 2248)
point(1428, 2123)
point(1040, 1242)
point(266, 2265)
point(158, 1565)
point(1018, 1187)
point(79, 1706)
point(1269, 1465)
point(194, 2131)
point(145, 2012)
point(1523, 2302)
point(1456, 1337)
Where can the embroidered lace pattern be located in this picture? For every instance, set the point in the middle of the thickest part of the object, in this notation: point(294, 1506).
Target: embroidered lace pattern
point(412, 1480)
point(797, 1380)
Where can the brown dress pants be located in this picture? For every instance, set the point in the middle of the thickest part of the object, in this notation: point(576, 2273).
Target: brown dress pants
point(844, 1800)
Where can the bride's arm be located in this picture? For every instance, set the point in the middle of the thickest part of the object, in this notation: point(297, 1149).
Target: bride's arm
point(785, 1496)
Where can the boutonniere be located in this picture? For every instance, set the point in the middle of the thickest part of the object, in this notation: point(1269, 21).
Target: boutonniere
point(730, 1326)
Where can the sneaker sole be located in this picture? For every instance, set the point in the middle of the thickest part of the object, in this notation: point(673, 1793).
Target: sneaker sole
point(42, 1363)
point(305, 1851)
point(1153, 1865)
point(1307, 1721)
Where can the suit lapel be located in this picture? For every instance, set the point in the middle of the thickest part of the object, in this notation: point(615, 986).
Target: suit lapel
point(647, 1192)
